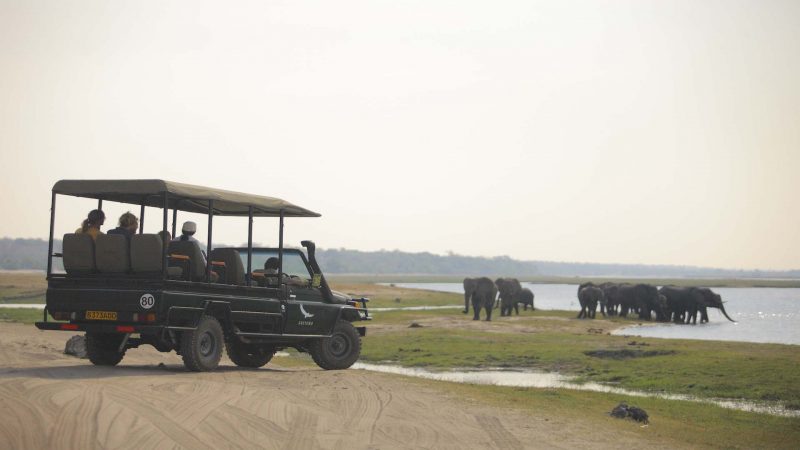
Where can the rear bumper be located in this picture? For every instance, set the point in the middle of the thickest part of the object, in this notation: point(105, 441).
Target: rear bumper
point(100, 327)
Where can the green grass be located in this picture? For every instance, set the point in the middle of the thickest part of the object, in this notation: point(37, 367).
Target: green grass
point(22, 287)
point(21, 315)
point(679, 422)
point(699, 368)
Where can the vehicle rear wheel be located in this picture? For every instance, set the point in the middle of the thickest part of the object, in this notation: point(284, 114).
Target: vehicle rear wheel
point(249, 355)
point(103, 348)
point(339, 351)
point(202, 348)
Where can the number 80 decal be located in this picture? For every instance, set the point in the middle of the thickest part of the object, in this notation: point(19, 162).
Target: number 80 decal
point(147, 301)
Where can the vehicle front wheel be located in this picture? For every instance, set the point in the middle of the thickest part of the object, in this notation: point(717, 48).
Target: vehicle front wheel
point(249, 355)
point(202, 348)
point(103, 348)
point(339, 351)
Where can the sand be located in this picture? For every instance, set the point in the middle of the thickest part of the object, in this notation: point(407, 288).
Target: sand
point(51, 400)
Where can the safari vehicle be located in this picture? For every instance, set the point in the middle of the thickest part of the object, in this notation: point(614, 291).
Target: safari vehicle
point(127, 292)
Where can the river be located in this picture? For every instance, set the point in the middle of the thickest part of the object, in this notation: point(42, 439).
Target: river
point(764, 315)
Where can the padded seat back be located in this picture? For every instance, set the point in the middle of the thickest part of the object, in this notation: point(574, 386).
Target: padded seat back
point(197, 267)
point(146, 253)
point(112, 253)
point(78, 251)
point(234, 269)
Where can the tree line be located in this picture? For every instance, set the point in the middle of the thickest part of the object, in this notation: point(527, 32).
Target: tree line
point(30, 254)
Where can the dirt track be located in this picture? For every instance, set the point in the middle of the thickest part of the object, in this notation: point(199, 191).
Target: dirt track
point(50, 400)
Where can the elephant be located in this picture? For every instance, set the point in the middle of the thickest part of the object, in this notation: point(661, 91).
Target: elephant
point(525, 297)
point(639, 298)
point(469, 288)
point(602, 301)
point(483, 298)
point(685, 302)
point(589, 297)
point(611, 294)
point(508, 289)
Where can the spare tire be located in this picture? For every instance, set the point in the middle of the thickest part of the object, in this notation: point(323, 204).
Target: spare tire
point(103, 348)
point(249, 355)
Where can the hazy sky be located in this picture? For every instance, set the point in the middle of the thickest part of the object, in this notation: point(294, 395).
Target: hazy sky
point(663, 132)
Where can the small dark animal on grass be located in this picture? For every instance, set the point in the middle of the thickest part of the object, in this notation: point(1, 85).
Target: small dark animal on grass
point(623, 410)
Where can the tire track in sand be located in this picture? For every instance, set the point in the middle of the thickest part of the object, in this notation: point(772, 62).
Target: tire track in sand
point(500, 436)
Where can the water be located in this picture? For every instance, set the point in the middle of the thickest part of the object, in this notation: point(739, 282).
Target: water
point(766, 315)
point(555, 380)
point(22, 305)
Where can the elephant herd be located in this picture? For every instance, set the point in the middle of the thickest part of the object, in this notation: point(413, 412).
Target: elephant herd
point(669, 303)
point(485, 294)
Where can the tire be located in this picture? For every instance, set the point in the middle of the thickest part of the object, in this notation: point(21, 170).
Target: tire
point(103, 348)
point(249, 355)
point(339, 351)
point(202, 348)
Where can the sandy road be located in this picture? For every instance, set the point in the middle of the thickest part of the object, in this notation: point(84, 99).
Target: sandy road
point(50, 400)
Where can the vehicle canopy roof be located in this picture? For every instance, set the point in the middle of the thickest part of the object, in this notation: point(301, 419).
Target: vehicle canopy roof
point(183, 197)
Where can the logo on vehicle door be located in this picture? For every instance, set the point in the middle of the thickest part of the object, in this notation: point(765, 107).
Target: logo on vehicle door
point(147, 301)
point(305, 313)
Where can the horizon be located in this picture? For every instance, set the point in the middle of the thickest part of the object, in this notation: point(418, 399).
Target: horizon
point(452, 254)
point(653, 133)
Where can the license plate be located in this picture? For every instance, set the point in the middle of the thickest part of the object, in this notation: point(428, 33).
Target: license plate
point(101, 315)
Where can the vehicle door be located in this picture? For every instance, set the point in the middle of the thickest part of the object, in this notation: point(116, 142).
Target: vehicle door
point(306, 311)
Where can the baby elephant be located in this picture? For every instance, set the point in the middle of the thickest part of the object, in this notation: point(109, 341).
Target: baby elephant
point(524, 297)
point(589, 297)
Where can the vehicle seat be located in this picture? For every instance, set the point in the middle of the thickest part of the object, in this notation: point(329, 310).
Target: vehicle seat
point(234, 269)
point(78, 254)
point(112, 253)
point(190, 249)
point(146, 256)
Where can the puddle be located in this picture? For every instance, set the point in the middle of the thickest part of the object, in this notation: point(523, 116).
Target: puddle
point(520, 378)
point(417, 308)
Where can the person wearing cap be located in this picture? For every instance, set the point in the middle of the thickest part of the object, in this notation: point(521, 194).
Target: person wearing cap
point(187, 232)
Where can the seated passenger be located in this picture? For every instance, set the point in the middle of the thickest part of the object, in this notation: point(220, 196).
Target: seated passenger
point(187, 232)
point(91, 225)
point(271, 267)
point(128, 224)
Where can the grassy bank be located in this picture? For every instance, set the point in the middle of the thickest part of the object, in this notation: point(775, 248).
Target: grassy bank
point(555, 341)
point(21, 315)
point(22, 287)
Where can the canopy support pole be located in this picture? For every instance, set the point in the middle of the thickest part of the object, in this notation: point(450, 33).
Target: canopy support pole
point(100, 204)
point(280, 257)
point(174, 222)
point(249, 245)
point(52, 230)
point(141, 219)
point(210, 225)
point(165, 244)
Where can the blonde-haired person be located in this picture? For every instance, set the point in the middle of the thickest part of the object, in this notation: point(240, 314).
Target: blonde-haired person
point(91, 224)
point(128, 224)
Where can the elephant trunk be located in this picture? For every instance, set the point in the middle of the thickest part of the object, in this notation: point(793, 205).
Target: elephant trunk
point(722, 308)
